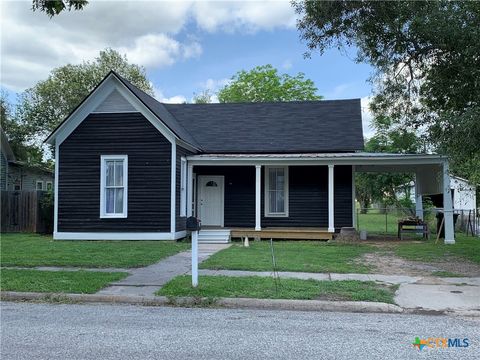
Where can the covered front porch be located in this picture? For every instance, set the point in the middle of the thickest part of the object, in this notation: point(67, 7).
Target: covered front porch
point(297, 196)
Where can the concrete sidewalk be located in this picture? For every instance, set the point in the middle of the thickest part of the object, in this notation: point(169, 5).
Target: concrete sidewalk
point(439, 297)
point(414, 293)
point(389, 279)
point(145, 281)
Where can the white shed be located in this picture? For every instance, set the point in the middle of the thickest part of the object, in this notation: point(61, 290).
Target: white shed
point(464, 194)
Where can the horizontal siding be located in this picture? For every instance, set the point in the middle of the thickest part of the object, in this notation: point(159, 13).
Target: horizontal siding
point(27, 178)
point(343, 196)
point(180, 222)
point(3, 171)
point(239, 193)
point(149, 158)
point(308, 196)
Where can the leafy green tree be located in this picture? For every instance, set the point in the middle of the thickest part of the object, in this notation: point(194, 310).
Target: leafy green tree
point(55, 7)
point(41, 108)
point(205, 97)
point(265, 84)
point(385, 187)
point(16, 134)
point(426, 56)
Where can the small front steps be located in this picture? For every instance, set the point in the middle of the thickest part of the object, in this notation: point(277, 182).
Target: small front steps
point(214, 236)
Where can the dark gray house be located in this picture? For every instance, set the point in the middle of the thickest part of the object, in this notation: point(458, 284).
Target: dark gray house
point(18, 176)
point(131, 168)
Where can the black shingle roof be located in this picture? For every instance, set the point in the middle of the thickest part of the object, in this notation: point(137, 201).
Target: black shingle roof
point(280, 127)
point(160, 111)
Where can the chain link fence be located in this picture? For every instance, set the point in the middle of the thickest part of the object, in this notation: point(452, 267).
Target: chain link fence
point(383, 222)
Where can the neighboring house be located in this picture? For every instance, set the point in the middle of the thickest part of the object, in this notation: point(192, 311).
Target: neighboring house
point(6, 155)
point(17, 176)
point(130, 167)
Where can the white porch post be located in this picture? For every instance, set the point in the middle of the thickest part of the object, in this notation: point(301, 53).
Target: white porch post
point(447, 206)
point(189, 190)
point(331, 207)
point(354, 210)
point(194, 258)
point(418, 198)
point(258, 177)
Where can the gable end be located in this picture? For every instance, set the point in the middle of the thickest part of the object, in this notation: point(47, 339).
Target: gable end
point(114, 103)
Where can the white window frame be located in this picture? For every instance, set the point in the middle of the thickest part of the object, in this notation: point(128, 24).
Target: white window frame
point(183, 186)
point(194, 194)
point(103, 160)
point(51, 185)
point(267, 211)
point(36, 185)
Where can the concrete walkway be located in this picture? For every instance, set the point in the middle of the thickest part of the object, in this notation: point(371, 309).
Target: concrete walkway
point(147, 280)
point(438, 297)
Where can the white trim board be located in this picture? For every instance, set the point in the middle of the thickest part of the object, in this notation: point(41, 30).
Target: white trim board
point(266, 211)
point(173, 188)
point(119, 235)
point(183, 186)
point(103, 185)
point(96, 98)
point(55, 189)
point(360, 159)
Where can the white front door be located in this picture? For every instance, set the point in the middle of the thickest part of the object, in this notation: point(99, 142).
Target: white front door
point(210, 200)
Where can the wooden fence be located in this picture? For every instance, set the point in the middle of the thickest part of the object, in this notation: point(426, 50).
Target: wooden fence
point(25, 211)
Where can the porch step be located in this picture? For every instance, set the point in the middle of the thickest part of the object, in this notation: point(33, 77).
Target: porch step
point(214, 236)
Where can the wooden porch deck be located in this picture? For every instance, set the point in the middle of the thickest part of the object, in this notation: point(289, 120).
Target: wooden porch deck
point(283, 233)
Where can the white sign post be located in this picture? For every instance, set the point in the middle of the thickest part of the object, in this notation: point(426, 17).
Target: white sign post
point(195, 258)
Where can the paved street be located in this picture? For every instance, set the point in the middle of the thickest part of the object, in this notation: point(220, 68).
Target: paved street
point(47, 331)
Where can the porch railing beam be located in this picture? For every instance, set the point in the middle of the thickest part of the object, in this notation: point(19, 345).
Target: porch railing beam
point(331, 206)
point(258, 177)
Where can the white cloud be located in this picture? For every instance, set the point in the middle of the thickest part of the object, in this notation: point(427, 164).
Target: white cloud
point(177, 99)
point(367, 117)
point(159, 95)
point(248, 15)
point(33, 44)
point(192, 50)
point(158, 50)
point(214, 84)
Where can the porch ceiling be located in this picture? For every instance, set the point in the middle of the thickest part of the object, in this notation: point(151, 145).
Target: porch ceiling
point(355, 158)
point(428, 168)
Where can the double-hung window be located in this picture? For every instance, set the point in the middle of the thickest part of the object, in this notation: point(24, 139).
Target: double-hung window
point(183, 187)
point(39, 185)
point(276, 191)
point(114, 186)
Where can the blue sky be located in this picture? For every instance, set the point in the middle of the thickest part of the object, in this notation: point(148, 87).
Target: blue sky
point(335, 74)
point(185, 46)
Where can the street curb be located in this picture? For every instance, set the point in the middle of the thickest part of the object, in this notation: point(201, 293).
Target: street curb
point(232, 303)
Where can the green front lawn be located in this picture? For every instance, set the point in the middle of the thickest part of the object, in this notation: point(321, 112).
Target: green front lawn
point(82, 282)
point(465, 247)
point(264, 288)
point(31, 250)
point(376, 223)
point(300, 256)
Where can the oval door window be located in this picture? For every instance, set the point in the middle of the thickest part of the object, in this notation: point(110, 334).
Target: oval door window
point(211, 183)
